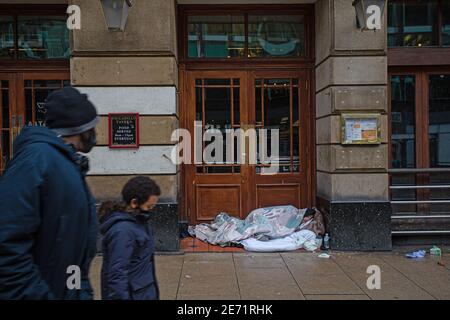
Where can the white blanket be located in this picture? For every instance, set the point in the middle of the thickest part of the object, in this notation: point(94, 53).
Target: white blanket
point(302, 239)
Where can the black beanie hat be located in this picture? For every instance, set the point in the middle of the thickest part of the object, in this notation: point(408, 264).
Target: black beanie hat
point(69, 112)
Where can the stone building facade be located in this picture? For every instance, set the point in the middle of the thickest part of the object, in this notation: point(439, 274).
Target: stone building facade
point(149, 68)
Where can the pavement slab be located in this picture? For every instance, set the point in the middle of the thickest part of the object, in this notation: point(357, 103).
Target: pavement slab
point(425, 273)
point(294, 276)
point(394, 285)
point(168, 272)
point(268, 284)
point(315, 275)
point(337, 297)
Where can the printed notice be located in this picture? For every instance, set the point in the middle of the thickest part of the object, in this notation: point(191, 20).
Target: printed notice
point(361, 130)
point(124, 130)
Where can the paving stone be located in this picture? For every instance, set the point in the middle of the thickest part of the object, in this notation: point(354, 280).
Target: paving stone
point(227, 276)
point(319, 276)
point(394, 285)
point(208, 297)
point(264, 283)
point(425, 273)
point(244, 261)
point(95, 277)
point(337, 297)
point(168, 272)
point(208, 256)
point(208, 274)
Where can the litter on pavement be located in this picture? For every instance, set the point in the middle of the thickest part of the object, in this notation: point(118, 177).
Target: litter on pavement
point(416, 254)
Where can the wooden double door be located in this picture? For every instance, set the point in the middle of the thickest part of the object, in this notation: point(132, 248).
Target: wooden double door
point(236, 178)
point(22, 98)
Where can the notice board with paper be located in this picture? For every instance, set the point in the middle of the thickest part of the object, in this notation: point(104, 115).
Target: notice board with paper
point(361, 128)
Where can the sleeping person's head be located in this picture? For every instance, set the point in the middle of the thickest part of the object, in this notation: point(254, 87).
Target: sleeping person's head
point(309, 215)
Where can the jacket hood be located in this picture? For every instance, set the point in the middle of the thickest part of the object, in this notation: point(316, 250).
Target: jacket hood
point(36, 134)
point(111, 219)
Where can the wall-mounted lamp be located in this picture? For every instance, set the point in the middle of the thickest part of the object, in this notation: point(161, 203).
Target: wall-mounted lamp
point(369, 13)
point(116, 13)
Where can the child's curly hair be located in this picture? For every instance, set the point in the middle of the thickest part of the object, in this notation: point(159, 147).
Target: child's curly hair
point(139, 188)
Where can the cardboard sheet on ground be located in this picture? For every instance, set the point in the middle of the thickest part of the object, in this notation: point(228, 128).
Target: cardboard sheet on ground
point(261, 224)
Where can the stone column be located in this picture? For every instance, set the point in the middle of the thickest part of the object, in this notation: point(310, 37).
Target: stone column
point(351, 76)
point(132, 71)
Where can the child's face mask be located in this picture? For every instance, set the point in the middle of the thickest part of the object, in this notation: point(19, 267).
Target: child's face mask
point(149, 205)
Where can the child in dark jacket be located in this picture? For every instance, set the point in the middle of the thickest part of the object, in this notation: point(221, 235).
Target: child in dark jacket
point(128, 271)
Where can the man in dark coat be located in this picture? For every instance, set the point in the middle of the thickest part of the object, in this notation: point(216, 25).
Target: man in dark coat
point(48, 227)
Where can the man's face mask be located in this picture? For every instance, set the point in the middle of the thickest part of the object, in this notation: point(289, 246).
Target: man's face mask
point(88, 140)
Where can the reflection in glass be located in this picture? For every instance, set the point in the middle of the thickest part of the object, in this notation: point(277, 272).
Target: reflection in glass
point(198, 104)
point(273, 111)
point(296, 129)
point(217, 82)
point(5, 149)
point(276, 36)
point(439, 193)
point(43, 37)
point(403, 121)
point(403, 139)
point(36, 92)
point(221, 103)
point(413, 23)
point(217, 108)
point(6, 37)
point(40, 111)
point(4, 94)
point(29, 106)
point(219, 169)
point(439, 120)
point(446, 23)
point(403, 194)
point(47, 83)
point(216, 36)
point(236, 106)
point(277, 116)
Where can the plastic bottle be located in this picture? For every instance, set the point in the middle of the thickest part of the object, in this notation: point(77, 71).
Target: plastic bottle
point(326, 242)
point(435, 251)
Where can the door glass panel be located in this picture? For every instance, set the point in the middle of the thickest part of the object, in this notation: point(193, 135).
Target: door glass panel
point(296, 129)
point(36, 92)
point(276, 36)
point(6, 37)
point(446, 23)
point(220, 100)
point(439, 138)
point(275, 103)
point(5, 108)
point(403, 121)
point(5, 149)
point(413, 23)
point(51, 84)
point(236, 106)
point(439, 120)
point(217, 108)
point(216, 36)
point(403, 138)
point(43, 37)
point(5, 134)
